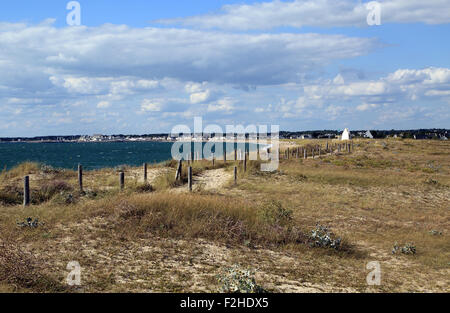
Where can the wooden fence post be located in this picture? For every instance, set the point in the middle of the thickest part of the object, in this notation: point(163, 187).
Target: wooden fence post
point(213, 160)
point(122, 180)
point(245, 162)
point(179, 170)
point(305, 154)
point(190, 178)
point(145, 173)
point(80, 177)
point(26, 191)
point(235, 175)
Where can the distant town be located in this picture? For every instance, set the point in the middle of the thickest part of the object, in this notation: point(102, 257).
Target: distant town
point(436, 134)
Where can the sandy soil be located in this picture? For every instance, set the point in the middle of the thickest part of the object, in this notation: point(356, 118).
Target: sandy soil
point(211, 180)
point(157, 264)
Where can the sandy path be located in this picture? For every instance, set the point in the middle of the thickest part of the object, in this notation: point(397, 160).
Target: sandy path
point(212, 180)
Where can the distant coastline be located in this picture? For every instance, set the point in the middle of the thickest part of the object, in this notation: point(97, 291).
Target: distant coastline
point(432, 133)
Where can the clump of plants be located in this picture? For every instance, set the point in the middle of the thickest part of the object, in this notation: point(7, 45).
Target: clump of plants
point(64, 197)
point(47, 169)
point(30, 223)
point(145, 188)
point(166, 181)
point(321, 236)
point(408, 249)
point(275, 213)
point(127, 211)
point(432, 182)
point(432, 167)
point(299, 177)
point(121, 168)
point(11, 195)
point(23, 270)
point(48, 190)
point(238, 280)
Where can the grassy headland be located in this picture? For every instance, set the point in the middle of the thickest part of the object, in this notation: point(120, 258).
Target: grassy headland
point(159, 237)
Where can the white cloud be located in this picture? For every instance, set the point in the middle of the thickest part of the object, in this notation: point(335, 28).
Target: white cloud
point(324, 13)
point(338, 80)
point(152, 105)
point(333, 111)
point(226, 104)
point(103, 105)
point(112, 86)
point(403, 83)
point(24, 101)
point(200, 97)
point(438, 93)
point(140, 56)
point(366, 106)
point(199, 93)
point(265, 109)
point(428, 76)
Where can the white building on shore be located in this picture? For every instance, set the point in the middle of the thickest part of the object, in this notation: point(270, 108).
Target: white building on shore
point(345, 134)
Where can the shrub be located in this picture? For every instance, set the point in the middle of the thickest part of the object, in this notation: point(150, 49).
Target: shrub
point(29, 222)
point(237, 280)
point(408, 248)
point(432, 182)
point(144, 188)
point(321, 236)
point(65, 197)
point(275, 213)
point(11, 195)
point(48, 190)
point(48, 169)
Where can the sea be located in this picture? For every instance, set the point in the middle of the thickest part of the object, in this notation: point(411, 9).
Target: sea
point(92, 155)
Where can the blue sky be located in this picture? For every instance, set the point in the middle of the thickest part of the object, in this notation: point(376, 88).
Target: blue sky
point(146, 66)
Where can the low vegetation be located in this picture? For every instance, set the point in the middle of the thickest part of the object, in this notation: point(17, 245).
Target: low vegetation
point(313, 225)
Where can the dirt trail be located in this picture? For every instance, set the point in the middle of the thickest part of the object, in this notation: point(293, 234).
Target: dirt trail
point(211, 180)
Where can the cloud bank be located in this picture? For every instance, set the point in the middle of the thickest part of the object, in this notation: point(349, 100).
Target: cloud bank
point(320, 13)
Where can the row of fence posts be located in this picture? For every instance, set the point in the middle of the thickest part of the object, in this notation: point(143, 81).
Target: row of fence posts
point(178, 175)
point(179, 171)
point(315, 151)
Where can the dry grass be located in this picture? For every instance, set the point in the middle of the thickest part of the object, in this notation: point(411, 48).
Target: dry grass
point(150, 238)
point(21, 270)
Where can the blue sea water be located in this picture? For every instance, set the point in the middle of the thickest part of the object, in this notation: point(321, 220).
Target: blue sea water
point(92, 155)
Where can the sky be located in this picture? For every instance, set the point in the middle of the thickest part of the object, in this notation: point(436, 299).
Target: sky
point(140, 67)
